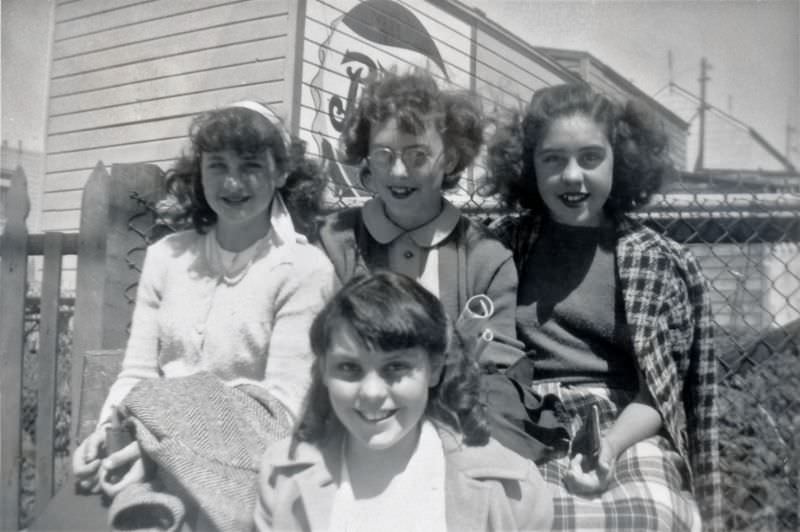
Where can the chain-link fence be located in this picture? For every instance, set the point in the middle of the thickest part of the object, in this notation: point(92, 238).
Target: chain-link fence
point(748, 245)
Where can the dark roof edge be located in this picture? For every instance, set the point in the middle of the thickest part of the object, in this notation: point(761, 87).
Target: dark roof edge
point(617, 78)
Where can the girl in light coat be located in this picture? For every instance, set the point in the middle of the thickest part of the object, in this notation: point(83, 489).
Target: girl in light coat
point(393, 436)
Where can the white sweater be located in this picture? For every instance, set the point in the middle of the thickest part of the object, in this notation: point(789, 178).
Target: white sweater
point(249, 326)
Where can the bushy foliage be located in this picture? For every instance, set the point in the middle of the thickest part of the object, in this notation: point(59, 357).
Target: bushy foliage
point(30, 398)
point(759, 434)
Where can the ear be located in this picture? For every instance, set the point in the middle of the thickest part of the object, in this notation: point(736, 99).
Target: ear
point(437, 368)
point(280, 181)
point(450, 161)
point(365, 176)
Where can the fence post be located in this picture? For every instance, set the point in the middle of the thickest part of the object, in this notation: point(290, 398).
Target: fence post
point(48, 361)
point(89, 285)
point(14, 264)
point(127, 231)
point(113, 240)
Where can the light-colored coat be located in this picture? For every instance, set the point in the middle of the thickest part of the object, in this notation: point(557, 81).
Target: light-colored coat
point(487, 488)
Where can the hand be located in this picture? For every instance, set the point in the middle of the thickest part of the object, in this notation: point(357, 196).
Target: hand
point(86, 461)
point(582, 479)
point(121, 469)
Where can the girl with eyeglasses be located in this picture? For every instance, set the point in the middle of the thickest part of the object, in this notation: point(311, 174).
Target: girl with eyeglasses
point(412, 141)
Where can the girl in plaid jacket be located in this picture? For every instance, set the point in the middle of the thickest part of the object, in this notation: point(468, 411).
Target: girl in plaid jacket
point(615, 316)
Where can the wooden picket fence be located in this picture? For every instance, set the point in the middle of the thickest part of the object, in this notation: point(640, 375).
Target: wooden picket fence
point(114, 225)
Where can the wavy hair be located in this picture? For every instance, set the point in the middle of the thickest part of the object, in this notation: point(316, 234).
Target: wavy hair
point(414, 99)
point(637, 139)
point(245, 131)
point(389, 311)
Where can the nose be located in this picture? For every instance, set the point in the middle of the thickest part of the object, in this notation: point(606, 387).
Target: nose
point(398, 168)
point(232, 181)
point(572, 172)
point(373, 388)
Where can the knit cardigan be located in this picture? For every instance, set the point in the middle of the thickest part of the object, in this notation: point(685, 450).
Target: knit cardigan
point(471, 262)
point(190, 317)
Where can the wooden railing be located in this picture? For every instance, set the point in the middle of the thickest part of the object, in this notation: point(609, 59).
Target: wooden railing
point(115, 221)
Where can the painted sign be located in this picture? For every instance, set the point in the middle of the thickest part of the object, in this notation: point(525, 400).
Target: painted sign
point(348, 42)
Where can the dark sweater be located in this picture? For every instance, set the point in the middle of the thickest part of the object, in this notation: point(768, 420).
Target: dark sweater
point(570, 310)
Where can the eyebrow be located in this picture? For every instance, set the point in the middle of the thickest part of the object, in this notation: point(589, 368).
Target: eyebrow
point(398, 354)
point(561, 150)
point(418, 145)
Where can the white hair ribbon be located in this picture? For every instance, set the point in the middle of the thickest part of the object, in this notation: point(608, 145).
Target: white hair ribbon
point(270, 115)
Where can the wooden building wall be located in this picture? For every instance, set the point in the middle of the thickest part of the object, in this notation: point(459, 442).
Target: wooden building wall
point(127, 75)
point(463, 49)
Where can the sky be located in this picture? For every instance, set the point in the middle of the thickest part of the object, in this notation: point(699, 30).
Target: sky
point(24, 70)
point(753, 48)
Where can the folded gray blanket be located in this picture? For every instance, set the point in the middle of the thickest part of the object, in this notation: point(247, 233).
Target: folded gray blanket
point(206, 440)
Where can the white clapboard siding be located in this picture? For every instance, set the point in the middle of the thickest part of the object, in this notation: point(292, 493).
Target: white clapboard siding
point(247, 74)
point(212, 17)
point(173, 45)
point(73, 9)
point(130, 15)
point(128, 76)
point(124, 153)
point(183, 103)
point(193, 61)
point(168, 128)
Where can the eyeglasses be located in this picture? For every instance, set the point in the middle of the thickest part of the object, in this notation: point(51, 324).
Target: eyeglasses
point(413, 157)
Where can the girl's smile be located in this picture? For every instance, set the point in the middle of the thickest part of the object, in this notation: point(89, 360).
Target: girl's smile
point(379, 397)
point(574, 165)
point(376, 417)
point(406, 172)
point(239, 188)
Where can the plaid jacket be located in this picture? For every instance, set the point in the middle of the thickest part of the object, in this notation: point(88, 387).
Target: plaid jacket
point(669, 313)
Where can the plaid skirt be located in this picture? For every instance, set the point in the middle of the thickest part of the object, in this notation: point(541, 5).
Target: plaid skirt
point(649, 488)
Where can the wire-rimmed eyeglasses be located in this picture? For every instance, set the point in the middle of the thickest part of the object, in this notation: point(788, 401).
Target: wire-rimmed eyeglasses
point(414, 158)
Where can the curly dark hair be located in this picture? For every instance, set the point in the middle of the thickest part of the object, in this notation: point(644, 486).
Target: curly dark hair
point(414, 98)
point(388, 311)
point(638, 141)
point(244, 131)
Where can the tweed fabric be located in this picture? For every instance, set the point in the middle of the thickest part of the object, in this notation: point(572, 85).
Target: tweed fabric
point(206, 440)
point(648, 491)
point(668, 310)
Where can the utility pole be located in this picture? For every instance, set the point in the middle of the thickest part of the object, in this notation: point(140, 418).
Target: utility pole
point(704, 68)
point(671, 72)
point(790, 131)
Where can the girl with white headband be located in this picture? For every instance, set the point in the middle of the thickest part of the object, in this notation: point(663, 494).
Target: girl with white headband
point(232, 296)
